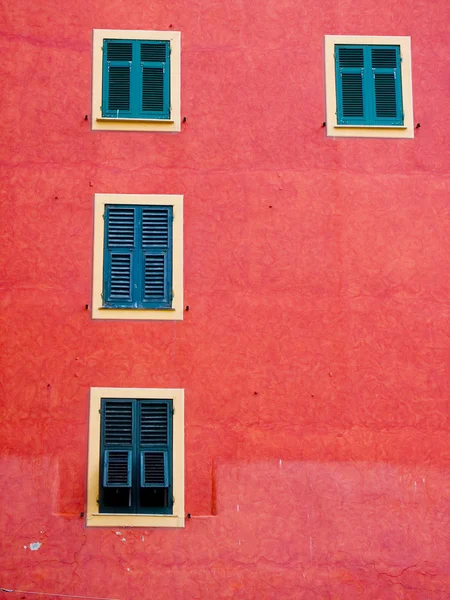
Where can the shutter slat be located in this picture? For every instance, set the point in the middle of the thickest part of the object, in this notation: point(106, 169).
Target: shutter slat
point(120, 227)
point(154, 51)
point(155, 226)
point(352, 95)
point(154, 423)
point(351, 57)
point(117, 468)
point(120, 281)
point(384, 58)
point(116, 50)
point(119, 88)
point(385, 95)
point(154, 277)
point(154, 469)
point(153, 89)
point(118, 423)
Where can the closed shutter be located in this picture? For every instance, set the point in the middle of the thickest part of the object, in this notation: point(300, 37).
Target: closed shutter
point(120, 241)
point(155, 439)
point(138, 257)
point(156, 247)
point(350, 84)
point(368, 85)
point(155, 70)
point(117, 443)
point(387, 85)
point(117, 62)
point(136, 79)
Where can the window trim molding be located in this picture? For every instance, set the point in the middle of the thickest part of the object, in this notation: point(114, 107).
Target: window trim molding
point(98, 122)
point(155, 314)
point(387, 131)
point(96, 519)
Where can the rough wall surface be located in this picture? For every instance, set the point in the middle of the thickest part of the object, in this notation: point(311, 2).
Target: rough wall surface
point(314, 356)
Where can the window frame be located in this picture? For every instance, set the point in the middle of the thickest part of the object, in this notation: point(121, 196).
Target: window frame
point(379, 130)
point(95, 518)
point(136, 123)
point(99, 310)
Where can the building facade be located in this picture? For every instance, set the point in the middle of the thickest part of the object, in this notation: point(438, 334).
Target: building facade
point(225, 300)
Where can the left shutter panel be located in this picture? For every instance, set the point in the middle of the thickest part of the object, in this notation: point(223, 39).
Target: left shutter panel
point(120, 238)
point(117, 61)
point(351, 101)
point(117, 443)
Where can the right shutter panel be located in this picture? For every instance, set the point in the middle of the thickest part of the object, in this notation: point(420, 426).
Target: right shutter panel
point(120, 234)
point(155, 72)
point(157, 256)
point(350, 85)
point(155, 440)
point(387, 85)
point(117, 60)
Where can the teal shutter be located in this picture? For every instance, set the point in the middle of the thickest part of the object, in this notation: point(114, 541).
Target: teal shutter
point(117, 63)
point(387, 85)
point(155, 447)
point(138, 249)
point(116, 455)
point(119, 256)
point(136, 463)
point(156, 246)
point(155, 69)
point(136, 79)
point(350, 84)
point(117, 469)
point(368, 85)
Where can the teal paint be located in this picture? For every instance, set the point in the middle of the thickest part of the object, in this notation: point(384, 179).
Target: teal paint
point(368, 85)
point(136, 79)
point(138, 263)
point(142, 432)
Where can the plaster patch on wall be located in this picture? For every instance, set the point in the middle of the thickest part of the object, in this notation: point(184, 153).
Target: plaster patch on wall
point(35, 545)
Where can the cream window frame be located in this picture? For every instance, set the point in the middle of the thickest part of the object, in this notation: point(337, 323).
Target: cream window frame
point(156, 314)
point(121, 124)
point(96, 519)
point(389, 131)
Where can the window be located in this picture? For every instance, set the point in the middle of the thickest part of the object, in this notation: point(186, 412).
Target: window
point(137, 257)
point(136, 80)
point(135, 474)
point(137, 269)
point(368, 86)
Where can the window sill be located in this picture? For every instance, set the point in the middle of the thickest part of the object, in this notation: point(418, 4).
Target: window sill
point(132, 120)
point(133, 515)
point(370, 127)
point(137, 520)
point(136, 308)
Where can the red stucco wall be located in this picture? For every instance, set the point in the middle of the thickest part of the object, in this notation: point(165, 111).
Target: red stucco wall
point(314, 356)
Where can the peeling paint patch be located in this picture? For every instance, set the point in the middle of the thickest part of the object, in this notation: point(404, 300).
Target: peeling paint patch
point(25, 547)
point(124, 539)
point(118, 533)
point(35, 545)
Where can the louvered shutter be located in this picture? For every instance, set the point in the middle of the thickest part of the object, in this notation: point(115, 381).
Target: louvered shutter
point(155, 75)
point(350, 84)
point(117, 78)
point(387, 85)
point(368, 85)
point(155, 439)
point(117, 443)
point(120, 242)
point(156, 247)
